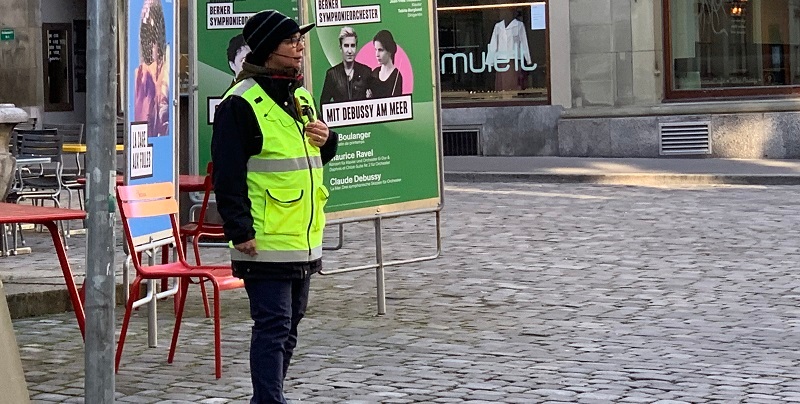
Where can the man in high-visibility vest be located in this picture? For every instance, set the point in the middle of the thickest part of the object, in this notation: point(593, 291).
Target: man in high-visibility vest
point(268, 150)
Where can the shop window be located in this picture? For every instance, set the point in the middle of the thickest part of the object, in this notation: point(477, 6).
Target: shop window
point(492, 52)
point(57, 63)
point(79, 30)
point(732, 47)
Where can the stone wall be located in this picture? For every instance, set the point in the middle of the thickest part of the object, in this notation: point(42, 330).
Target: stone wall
point(510, 131)
point(21, 59)
point(774, 135)
point(545, 131)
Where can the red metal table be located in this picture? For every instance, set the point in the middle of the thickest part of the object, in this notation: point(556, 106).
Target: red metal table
point(186, 182)
point(191, 183)
point(11, 213)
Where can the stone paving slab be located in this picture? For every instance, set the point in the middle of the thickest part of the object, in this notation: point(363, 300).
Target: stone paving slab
point(38, 288)
point(625, 178)
point(625, 171)
point(544, 293)
point(600, 166)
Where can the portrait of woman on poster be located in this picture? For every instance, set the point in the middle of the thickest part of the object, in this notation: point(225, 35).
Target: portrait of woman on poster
point(386, 78)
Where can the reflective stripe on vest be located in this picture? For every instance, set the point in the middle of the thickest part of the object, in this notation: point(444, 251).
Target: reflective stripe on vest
point(284, 182)
point(278, 256)
point(300, 163)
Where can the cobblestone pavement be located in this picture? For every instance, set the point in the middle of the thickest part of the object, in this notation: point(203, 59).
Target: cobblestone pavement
point(544, 293)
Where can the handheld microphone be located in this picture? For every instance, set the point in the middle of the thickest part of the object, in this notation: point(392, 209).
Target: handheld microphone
point(308, 112)
point(305, 108)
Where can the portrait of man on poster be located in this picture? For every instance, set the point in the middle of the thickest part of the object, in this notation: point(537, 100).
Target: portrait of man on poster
point(237, 50)
point(348, 80)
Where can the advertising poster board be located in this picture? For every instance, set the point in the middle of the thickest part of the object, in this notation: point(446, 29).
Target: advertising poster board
point(151, 115)
point(219, 55)
point(379, 93)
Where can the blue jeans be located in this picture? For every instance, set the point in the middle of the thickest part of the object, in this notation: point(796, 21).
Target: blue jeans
point(276, 306)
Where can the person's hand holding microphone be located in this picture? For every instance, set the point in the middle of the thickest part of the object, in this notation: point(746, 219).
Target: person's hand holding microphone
point(316, 131)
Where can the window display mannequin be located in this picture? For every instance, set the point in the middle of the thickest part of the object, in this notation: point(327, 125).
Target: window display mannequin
point(508, 47)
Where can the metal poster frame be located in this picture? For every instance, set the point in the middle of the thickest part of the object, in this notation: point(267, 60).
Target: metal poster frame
point(377, 214)
point(158, 231)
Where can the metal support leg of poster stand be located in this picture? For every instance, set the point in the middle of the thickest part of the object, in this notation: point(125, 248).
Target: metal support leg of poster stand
point(341, 240)
point(380, 264)
point(380, 274)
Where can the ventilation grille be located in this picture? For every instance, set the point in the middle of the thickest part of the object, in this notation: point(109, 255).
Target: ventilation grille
point(461, 142)
point(685, 138)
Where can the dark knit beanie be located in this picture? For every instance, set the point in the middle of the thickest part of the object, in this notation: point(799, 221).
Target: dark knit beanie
point(265, 30)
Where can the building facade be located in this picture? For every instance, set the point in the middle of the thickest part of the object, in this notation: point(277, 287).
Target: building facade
point(636, 78)
point(610, 78)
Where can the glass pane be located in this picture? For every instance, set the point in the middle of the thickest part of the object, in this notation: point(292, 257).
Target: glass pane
point(57, 81)
point(478, 3)
point(734, 43)
point(493, 53)
point(79, 28)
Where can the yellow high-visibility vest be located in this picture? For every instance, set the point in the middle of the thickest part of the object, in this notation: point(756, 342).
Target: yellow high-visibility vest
point(284, 181)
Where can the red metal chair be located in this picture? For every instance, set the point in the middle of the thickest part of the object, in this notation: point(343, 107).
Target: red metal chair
point(153, 200)
point(201, 229)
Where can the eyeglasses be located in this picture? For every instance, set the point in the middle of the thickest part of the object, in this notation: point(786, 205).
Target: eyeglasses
point(293, 41)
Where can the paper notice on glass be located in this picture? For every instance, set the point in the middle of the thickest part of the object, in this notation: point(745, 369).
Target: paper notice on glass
point(538, 16)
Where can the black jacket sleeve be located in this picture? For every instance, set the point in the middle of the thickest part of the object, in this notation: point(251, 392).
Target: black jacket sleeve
point(236, 134)
point(328, 150)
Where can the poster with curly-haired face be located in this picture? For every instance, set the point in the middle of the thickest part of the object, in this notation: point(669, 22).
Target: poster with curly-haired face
point(150, 151)
point(152, 74)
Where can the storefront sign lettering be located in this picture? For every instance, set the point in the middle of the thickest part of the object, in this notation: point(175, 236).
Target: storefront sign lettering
point(500, 63)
